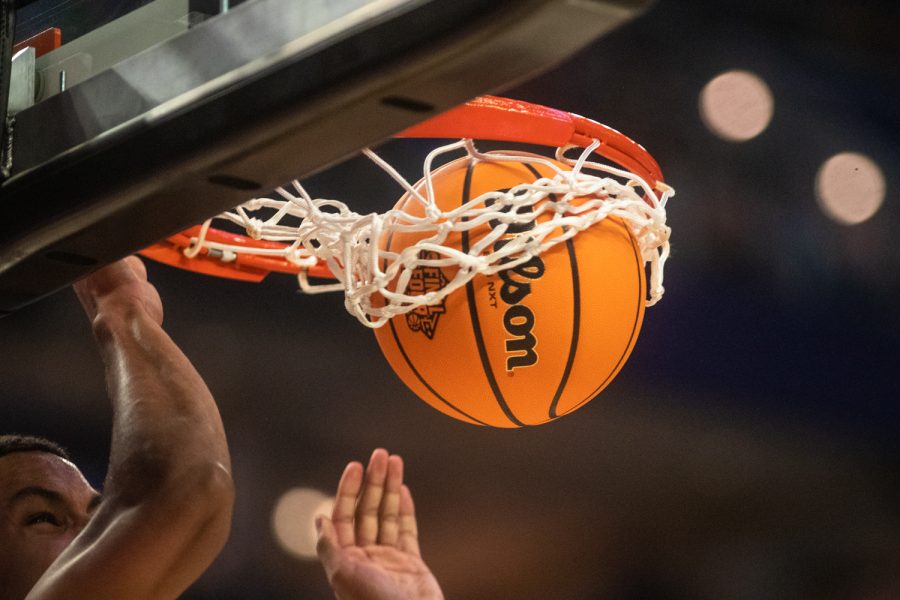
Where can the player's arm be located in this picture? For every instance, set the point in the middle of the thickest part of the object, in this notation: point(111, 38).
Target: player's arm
point(167, 499)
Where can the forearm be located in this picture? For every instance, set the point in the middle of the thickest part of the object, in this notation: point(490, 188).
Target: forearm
point(166, 426)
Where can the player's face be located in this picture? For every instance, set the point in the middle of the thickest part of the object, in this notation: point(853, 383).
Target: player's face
point(44, 503)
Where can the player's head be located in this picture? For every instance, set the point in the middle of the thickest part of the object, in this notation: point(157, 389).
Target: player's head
point(45, 502)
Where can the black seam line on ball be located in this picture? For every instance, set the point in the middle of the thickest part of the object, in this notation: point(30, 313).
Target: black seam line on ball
point(637, 314)
point(576, 315)
point(409, 362)
point(422, 380)
point(473, 313)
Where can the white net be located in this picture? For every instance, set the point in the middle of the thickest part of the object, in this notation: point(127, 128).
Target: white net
point(375, 281)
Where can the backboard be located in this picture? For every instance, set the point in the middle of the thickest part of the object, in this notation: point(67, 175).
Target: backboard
point(156, 115)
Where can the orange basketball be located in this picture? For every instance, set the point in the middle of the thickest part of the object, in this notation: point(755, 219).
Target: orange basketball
point(526, 345)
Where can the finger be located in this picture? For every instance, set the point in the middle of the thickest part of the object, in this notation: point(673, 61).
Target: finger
point(119, 284)
point(87, 300)
point(345, 503)
point(327, 546)
point(389, 511)
point(153, 302)
point(408, 535)
point(137, 266)
point(100, 282)
point(104, 280)
point(367, 507)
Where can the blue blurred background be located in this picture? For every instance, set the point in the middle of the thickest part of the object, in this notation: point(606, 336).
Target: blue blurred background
point(748, 449)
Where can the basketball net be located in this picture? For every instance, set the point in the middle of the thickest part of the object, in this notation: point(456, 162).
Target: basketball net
point(310, 231)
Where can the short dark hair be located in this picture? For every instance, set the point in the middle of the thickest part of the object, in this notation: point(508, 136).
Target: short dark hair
point(30, 443)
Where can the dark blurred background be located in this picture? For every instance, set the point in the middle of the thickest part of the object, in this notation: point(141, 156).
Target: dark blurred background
point(748, 449)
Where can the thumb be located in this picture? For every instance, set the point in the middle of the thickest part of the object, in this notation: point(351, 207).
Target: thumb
point(327, 546)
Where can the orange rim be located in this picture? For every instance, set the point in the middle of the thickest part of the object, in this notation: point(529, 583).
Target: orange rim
point(485, 118)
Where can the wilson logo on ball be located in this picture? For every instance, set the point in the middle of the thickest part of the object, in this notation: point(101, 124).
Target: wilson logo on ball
point(518, 319)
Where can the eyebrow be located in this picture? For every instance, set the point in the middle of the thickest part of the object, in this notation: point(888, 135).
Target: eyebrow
point(34, 490)
point(51, 496)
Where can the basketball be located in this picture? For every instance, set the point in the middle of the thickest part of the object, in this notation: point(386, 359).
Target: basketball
point(526, 345)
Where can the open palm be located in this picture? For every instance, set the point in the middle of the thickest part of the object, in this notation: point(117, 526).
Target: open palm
point(370, 546)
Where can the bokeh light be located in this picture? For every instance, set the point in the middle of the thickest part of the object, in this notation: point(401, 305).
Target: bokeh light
point(736, 105)
point(293, 520)
point(850, 188)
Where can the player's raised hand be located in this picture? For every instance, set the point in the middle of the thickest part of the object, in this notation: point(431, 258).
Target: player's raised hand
point(370, 545)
